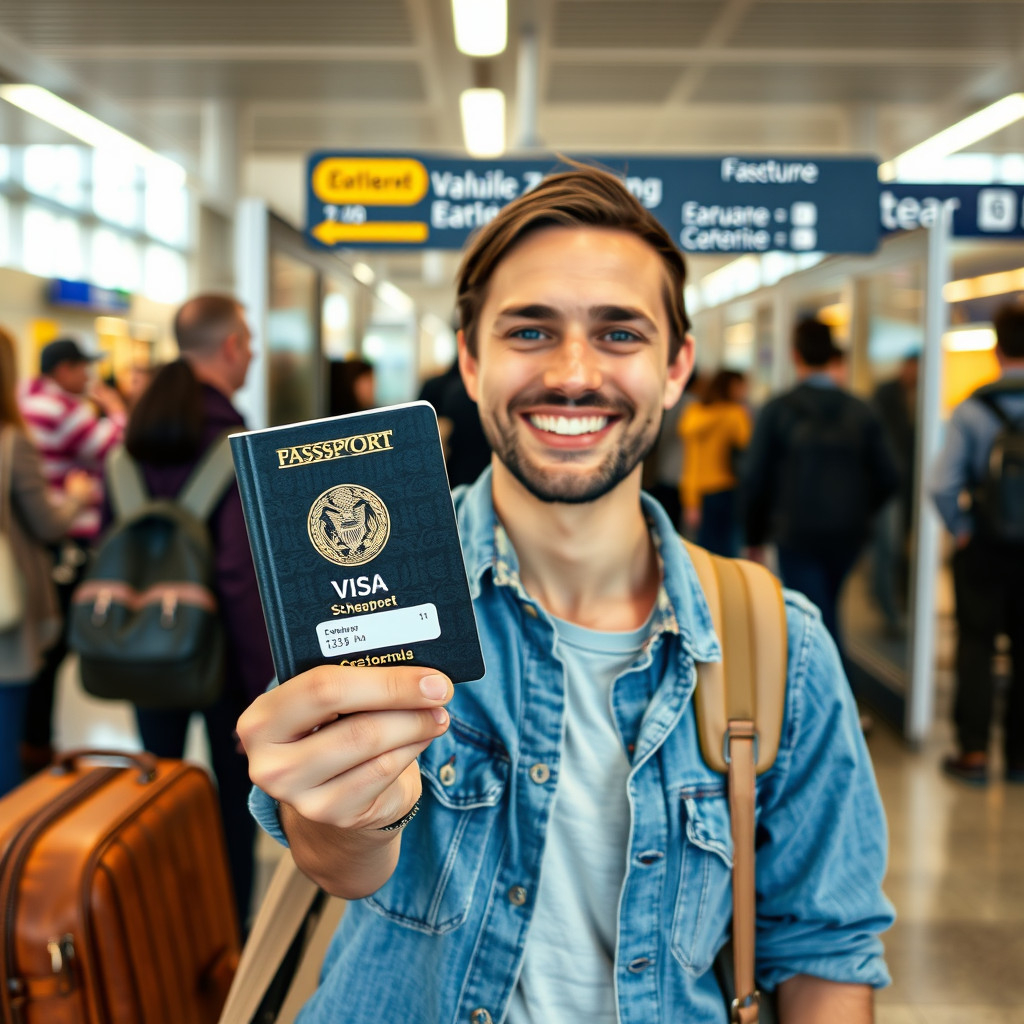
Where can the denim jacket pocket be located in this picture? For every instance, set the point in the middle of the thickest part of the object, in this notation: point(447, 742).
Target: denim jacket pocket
point(464, 777)
point(703, 907)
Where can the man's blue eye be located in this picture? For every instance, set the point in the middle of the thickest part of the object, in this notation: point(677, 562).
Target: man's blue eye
point(528, 333)
point(621, 336)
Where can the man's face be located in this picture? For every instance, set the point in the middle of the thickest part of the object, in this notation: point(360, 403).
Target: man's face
point(72, 375)
point(572, 374)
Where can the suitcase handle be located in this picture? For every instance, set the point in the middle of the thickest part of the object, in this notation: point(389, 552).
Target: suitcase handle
point(144, 761)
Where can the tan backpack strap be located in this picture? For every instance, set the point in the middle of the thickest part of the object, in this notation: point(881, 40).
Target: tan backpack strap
point(739, 705)
point(125, 486)
point(290, 907)
point(213, 474)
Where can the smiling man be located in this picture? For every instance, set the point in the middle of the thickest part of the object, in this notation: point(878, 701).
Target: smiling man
point(547, 843)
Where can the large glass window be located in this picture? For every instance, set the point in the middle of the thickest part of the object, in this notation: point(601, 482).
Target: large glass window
point(116, 188)
point(165, 274)
point(56, 172)
point(291, 341)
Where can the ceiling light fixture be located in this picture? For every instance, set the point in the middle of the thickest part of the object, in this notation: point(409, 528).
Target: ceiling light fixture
point(920, 159)
point(483, 121)
point(481, 26)
point(984, 286)
point(49, 107)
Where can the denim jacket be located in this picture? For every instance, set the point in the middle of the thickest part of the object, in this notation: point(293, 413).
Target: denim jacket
point(442, 941)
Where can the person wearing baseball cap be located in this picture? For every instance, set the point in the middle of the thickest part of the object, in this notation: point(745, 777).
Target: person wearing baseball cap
point(75, 421)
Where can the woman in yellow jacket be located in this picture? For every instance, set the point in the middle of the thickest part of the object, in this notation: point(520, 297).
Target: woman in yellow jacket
point(714, 431)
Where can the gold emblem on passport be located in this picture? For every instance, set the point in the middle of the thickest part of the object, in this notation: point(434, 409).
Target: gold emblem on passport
point(349, 524)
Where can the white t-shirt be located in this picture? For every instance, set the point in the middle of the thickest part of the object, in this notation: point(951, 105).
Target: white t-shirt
point(568, 968)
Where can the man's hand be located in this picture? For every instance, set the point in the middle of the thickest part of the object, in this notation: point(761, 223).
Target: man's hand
point(108, 400)
point(337, 748)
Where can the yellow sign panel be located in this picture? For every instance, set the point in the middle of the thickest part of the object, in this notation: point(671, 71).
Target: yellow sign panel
point(332, 233)
point(370, 181)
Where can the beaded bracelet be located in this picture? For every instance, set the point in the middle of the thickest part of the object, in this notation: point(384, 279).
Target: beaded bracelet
point(403, 821)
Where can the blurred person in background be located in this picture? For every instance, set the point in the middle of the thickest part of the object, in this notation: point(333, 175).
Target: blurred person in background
point(715, 431)
point(896, 402)
point(75, 420)
point(466, 451)
point(817, 471)
point(352, 385)
point(988, 566)
point(185, 410)
point(663, 468)
point(35, 515)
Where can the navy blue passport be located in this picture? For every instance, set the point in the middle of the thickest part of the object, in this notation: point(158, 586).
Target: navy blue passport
point(355, 543)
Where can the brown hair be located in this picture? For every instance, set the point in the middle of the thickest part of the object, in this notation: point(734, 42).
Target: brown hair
point(813, 342)
point(584, 197)
point(204, 321)
point(9, 411)
point(1009, 325)
point(720, 387)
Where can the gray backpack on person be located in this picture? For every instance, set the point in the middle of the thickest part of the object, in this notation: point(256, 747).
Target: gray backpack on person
point(998, 500)
point(144, 620)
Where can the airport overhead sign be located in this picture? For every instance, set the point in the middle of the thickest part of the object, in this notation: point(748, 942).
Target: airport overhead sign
point(728, 204)
point(978, 211)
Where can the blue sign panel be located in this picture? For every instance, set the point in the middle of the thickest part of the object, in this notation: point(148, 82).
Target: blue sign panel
point(730, 204)
point(979, 211)
point(83, 295)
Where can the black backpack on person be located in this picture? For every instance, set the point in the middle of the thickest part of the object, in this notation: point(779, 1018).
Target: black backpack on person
point(998, 498)
point(823, 494)
point(144, 620)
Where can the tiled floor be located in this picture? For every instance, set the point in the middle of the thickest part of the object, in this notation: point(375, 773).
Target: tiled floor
point(956, 872)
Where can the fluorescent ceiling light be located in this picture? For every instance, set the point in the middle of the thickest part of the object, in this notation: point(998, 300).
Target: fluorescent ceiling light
point(985, 286)
point(980, 125)
point(481, 26)
point(973, 339)
point(483, 121)
point(363, 273)
point(68, 118)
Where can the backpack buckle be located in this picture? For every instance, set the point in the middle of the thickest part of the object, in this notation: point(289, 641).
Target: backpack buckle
point(741, 733)
point(168, 606)
point(101, 606)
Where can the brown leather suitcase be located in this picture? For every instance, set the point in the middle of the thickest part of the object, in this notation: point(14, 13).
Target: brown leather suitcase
point(115, 894)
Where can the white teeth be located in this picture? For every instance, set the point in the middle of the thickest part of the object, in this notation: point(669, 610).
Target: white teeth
point(569, 426)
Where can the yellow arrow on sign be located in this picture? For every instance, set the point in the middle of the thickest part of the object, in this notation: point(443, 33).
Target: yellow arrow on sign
point(332, 233)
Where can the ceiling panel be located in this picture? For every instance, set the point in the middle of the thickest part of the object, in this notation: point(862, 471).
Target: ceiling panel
point(611, 84)
point(638, 23)
point(831, 84)
point(323, 80)
point(883, 24)
point(45, 23)
point(291, 131)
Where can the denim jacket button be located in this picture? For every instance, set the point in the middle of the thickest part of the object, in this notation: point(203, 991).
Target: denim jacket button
point(517, 895)
point(530, 610)
point(540, 773)
point(639, 964)
point(480, 1016)
point(446, 774)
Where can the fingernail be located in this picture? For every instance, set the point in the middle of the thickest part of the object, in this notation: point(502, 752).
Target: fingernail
point(434, 687)
point(440, 715)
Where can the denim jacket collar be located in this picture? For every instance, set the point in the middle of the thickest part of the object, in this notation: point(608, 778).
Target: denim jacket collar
point(681, 607)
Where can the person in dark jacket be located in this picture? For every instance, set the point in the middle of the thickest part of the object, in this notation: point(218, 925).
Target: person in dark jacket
point(988, 565)
point(817, 471)
point(185, 410)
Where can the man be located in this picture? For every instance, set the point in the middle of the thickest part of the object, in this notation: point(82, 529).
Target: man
point(570, 859)
point(186, 409)
point(817, 471)
point(987, 568)
point(61, 409)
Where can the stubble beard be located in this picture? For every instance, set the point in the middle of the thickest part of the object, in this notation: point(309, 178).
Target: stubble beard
point(570, 488)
